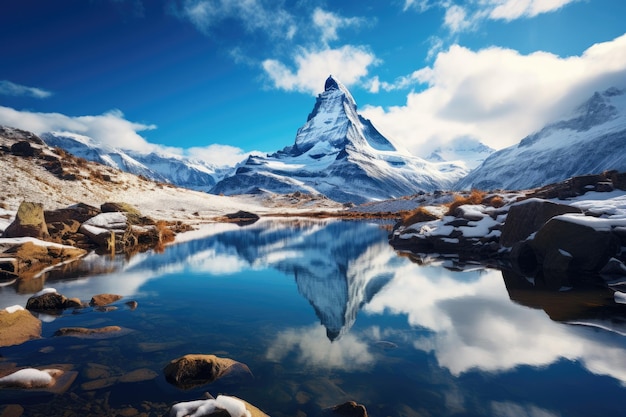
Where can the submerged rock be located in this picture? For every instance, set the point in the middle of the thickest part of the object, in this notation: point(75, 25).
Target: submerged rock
point(193, 370)
point(101, 300)
point(18, 326)
point(85, 333)
point(349, 409)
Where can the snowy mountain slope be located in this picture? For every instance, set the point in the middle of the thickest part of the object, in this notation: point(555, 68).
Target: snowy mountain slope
point(173, 169)
point(340, 154)
point(591, 140)
point(466, 150)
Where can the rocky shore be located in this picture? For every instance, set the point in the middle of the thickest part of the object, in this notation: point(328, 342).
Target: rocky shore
point(577, 227)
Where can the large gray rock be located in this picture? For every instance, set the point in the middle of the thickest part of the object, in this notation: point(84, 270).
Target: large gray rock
point(526, 217)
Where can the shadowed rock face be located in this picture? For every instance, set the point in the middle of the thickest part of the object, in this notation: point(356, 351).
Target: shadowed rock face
point(526, 218)
point(588, 249)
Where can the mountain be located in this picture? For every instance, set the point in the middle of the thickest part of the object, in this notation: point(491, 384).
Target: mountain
point(341, 155)
point(590, 140)
point(466, 150)
point(184, 172)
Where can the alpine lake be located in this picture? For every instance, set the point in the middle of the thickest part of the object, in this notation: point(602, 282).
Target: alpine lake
point(323, 312)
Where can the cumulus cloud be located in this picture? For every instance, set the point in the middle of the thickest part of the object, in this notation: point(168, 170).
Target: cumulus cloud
point(328, 23)
point(348, 63)
point(254, 15)
point(495, 94)
point(8, 88)
point(110, 128)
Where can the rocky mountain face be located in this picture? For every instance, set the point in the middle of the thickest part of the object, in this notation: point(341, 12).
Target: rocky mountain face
point(341, 155)
point(591, 140)
point(188, 173)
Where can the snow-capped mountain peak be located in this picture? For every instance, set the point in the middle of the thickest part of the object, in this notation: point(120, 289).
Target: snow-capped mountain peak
point(340, 154)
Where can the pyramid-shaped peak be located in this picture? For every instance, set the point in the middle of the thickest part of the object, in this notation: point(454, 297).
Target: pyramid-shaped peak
point(331, 84)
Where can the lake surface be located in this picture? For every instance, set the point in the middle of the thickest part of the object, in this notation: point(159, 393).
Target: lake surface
point(325, 312)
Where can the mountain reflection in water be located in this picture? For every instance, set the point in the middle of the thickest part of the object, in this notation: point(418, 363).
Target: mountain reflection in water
point(427, 340)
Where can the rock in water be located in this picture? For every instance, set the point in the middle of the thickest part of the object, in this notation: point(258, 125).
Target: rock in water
point(192, 370)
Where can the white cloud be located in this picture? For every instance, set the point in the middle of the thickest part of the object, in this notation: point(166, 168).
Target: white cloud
point(474, 325)
point(313, 348)
point(496, 95)
point(515, 9)
point(328, 23)
point(110, 128)
point(455, 19)
point(348, 63)
point(473, 12)
point(219, 155)
point(8, 88)
point(255, 15)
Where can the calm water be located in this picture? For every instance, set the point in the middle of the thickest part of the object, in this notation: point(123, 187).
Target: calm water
point(326, 312)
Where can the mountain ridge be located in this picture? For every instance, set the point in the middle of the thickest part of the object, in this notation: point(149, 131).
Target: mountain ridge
point(591, 139)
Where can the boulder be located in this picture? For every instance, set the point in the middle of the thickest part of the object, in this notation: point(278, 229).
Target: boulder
point(619, 180)
point(193, 370)
point(17, 327)
point(51, 301)
point(568, 237)
point(23, 148)
point(107, 230)
point(29, 221)
point(133, 215)
point(242, 218)
point(78, 212)
point(349, 409)
point(526, 217)
point(104, 299)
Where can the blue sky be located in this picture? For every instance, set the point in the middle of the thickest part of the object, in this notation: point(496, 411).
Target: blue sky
point(219, 78)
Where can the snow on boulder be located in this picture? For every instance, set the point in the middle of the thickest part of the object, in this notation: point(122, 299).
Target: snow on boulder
point(106, 228)
point(234, 406)
point(56, 380)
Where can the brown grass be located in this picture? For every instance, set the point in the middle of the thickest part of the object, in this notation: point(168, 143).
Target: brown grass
point(475, 197)
point(418, 215)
